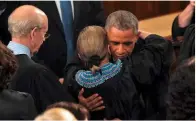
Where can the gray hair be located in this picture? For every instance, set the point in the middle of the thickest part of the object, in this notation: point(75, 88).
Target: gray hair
point(92, 41)
point(19, 27)
point(122, 20)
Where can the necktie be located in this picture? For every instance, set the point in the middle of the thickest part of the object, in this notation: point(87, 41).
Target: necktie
point(67, 20)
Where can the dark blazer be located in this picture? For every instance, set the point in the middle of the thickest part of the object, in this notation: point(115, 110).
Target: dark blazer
point(40, 82)
point(53, 52)
point(16, 106)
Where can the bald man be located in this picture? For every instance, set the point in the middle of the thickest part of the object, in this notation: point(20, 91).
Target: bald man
point(28, 26)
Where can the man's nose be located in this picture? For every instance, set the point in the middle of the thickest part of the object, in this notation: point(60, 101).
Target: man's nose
point(121, 50)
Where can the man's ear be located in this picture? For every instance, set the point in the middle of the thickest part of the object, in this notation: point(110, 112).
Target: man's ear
point(137, 36)
point(33, 33)
point(138, 33)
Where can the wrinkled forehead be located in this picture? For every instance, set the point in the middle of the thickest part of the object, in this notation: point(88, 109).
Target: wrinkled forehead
point(121, 36)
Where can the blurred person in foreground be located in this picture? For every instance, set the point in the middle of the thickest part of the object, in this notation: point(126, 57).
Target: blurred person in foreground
point(56, 114)
point(181, 92)
point(79, 111)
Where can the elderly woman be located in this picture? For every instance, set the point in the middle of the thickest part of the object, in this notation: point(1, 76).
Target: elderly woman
point(14, 105)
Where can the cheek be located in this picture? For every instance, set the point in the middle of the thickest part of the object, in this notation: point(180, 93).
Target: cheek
point(33, 44)
point(113, 48)
point(39, 44)
point(130, 48)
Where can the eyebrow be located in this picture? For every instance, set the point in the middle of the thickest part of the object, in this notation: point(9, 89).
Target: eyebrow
point(113, 41)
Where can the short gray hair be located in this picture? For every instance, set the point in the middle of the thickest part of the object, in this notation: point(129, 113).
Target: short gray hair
point(122, 20)
point(19, 27)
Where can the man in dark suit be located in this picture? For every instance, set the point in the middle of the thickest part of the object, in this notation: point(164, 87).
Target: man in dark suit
point(28, 26)
point(53, 53)
point(14, 105)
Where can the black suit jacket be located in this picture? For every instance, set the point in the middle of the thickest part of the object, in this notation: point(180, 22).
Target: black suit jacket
point(40, 82)
point(53, 53)
point(16, 106)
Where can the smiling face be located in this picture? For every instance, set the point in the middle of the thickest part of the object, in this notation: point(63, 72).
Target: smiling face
point(121, 42)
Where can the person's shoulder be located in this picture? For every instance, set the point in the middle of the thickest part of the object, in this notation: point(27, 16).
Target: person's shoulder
point(27, 63)
point(35, 70)
point(15, 95)
point(154, 36)
point(16, 105)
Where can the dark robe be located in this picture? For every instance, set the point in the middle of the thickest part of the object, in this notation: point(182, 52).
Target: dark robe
point(187, 48)
point(118, 91)
point(178, 31)
point(16, 105)
point(149, 65)
point(40, 82)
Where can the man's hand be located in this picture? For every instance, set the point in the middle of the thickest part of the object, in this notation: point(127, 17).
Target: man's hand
point(143, 34)
point(93, 103)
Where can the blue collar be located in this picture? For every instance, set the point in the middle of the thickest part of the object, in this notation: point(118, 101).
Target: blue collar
point(19, 48)
point(88, 80)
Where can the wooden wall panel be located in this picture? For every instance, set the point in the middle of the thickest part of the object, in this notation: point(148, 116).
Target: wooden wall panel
point(145, 9)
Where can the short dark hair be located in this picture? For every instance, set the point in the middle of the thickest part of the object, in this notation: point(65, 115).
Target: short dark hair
point(122, 20)
point(79, 111)
point(181, 92)
point(8, 65)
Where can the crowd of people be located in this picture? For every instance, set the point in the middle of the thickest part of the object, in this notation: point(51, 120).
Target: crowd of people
point(110, 70)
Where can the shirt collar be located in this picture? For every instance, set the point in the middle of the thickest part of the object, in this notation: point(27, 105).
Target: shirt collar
point(19, 48)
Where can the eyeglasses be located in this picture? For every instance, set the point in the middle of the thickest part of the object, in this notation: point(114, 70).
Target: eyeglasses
point(46, 36)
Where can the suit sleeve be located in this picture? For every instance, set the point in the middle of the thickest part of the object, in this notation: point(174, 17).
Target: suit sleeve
point(187, 48)
point(178, 31)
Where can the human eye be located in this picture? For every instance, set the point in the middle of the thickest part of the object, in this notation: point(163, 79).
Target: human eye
point(128, 43)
